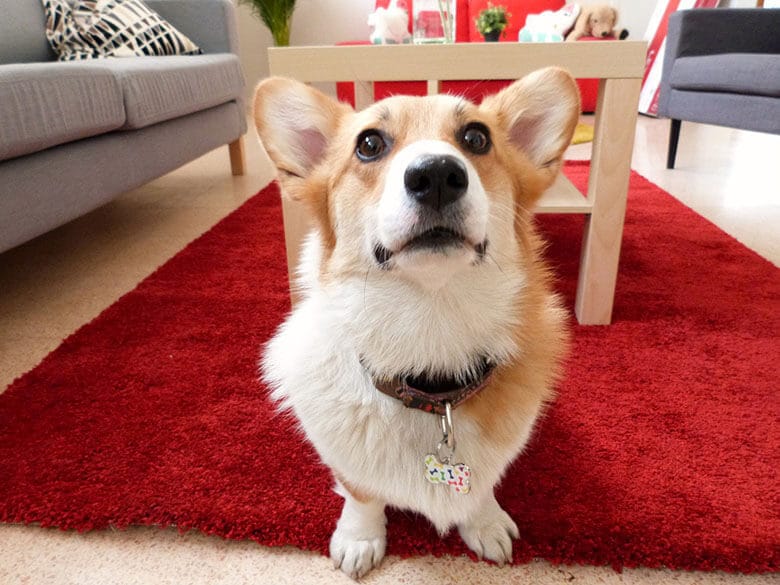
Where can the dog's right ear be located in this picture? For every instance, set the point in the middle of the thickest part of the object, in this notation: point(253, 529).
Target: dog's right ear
point(295, 123)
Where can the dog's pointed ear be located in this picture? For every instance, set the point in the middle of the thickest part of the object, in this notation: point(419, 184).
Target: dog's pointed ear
point(295, 123)
point(539, 113)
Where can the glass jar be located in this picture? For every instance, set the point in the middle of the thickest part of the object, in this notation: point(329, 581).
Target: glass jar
point(434, 21)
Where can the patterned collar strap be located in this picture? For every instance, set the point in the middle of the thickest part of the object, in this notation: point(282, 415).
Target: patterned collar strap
point(412, 397)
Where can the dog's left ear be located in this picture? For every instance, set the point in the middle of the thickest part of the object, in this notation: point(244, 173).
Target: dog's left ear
point(539, 113)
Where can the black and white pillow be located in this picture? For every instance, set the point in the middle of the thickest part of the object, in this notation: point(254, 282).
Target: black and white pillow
point(86, 29)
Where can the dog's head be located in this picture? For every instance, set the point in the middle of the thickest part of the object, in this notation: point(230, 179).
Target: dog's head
point(424, 188)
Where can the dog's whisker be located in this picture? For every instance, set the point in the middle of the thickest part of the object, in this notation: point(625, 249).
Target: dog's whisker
point(365, 285)
point(506, 209)
point(489, 255)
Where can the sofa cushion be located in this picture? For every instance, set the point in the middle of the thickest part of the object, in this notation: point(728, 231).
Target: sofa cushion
point(742, 73)
point(156, 89)
point(45, 104)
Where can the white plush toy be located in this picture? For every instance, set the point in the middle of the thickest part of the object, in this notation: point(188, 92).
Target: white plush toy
point(549, 26)
point(391, 25)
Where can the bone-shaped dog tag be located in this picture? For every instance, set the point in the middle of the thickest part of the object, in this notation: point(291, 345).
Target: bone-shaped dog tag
point(457, 476)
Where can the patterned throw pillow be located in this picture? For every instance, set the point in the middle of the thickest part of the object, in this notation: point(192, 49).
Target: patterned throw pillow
point(86, 29)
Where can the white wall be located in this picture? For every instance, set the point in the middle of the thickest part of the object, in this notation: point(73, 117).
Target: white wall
point(254, 39)
point(315, 22)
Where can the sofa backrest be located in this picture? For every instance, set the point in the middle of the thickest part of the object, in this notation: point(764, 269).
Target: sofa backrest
point(23, 32)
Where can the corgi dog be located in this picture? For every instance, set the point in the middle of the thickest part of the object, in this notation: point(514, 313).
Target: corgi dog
point(427, 340)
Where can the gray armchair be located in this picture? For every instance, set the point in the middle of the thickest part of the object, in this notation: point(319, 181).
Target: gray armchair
point(722, 67)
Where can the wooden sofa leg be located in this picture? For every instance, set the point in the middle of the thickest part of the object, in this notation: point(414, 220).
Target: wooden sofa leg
point(237, 157)
point(674, 137)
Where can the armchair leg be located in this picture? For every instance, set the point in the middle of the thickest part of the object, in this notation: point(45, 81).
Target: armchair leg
point(674, 136)
point(237, 157)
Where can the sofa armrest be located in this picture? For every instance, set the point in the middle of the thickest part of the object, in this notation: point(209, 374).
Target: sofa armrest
point(211, 24)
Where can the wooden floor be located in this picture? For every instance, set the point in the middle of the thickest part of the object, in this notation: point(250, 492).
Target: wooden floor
point(52, 285)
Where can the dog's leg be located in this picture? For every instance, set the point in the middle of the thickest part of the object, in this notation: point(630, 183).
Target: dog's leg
point(490, 533)
point(358, 543)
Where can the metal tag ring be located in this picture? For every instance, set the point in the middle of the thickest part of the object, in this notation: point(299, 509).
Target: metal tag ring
point(447, 429)
point(444, 452)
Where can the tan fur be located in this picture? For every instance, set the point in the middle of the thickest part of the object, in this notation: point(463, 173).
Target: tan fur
point(598, 20)
point(543, 342)
point(524, 106)
point(520, 386)
point(509, 168)
point(412, 119)
point(531, 123)
point(296, 181)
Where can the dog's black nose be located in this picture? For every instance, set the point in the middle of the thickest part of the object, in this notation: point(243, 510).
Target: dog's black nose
point(605, 34)
point(436, 180)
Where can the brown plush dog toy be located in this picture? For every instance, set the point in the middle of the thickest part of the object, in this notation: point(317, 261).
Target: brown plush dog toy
point(596, 21)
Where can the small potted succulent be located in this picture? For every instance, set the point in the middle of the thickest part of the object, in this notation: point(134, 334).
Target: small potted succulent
point(276, 14)
point(492, 21)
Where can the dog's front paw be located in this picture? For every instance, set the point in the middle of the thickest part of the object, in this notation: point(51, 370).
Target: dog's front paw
point(356, 556)
point(358, 543)
point(490, 535)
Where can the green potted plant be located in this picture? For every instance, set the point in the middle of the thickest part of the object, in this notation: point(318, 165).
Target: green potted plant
point(492, 21)
point(276, 14)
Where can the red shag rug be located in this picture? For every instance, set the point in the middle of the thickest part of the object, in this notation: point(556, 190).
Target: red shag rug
point(663, 448)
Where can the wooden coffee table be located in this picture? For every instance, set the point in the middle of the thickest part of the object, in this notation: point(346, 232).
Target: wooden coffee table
point(618, 65)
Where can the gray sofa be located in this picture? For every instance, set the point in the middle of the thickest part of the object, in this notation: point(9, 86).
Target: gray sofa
point(73, 135)
point(722, 67)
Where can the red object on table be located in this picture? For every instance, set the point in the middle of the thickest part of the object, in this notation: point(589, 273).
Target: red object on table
point(466, 31)
point(517, 11)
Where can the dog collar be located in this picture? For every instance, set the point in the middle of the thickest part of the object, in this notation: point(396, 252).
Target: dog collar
point(403, 388)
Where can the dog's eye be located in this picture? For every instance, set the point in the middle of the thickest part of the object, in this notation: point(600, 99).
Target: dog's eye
point(370, 145)
point(476, 138)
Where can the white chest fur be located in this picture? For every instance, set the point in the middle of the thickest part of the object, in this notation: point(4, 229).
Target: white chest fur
point(370, 440)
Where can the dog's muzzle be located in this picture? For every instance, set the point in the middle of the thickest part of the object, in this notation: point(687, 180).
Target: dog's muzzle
point(431, 210)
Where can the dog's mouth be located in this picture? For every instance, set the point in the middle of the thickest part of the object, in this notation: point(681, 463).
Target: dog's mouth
point(437, 240)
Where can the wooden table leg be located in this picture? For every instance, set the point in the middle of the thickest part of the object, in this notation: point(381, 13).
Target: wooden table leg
point(364, 94)
point(610, 168)
point(296, 226)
